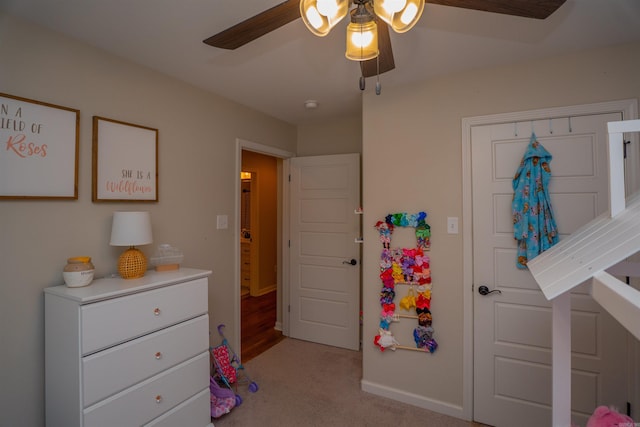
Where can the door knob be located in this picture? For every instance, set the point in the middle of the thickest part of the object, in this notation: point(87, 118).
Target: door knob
point(352, 261)
point(484, 290)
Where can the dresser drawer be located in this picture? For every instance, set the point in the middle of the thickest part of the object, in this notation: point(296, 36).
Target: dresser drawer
point(195, 412)
point(112, 322)
point(110, 371)
point(148, 400)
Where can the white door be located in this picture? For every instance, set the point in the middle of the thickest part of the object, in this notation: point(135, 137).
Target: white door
point(324, 255)
point(512, 329)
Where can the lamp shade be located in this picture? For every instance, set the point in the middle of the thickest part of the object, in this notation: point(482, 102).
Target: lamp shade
point(362, 41)
point(320, 16)
point(131, 228)
point(401, 15)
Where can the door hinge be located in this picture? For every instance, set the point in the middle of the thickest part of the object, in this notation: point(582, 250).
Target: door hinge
point(628, 409)
point(289, 309)
point(289, 177)
point(289, 243)
point(625, 146)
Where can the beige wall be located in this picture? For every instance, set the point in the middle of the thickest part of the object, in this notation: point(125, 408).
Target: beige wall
point(412, 162)
point(342, 135)
point(197, 136)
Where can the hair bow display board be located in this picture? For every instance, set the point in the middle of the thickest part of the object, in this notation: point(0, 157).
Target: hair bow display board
point(409, 268)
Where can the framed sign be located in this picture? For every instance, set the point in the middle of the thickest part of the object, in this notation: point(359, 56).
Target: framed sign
point(38, 149)
point(125, 162)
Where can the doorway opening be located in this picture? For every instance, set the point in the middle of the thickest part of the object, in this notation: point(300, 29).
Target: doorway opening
point(259, 256)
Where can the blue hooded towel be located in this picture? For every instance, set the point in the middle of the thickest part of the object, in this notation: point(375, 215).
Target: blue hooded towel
point(533, 225)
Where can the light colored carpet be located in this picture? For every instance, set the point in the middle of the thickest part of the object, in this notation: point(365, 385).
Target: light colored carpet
point(307, 384)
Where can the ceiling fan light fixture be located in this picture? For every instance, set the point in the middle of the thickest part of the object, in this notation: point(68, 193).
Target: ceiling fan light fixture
point(401, 15)
point(385, 9)
point(393, 6)
point(327, 7)
point(320, 16)
point(362, 41)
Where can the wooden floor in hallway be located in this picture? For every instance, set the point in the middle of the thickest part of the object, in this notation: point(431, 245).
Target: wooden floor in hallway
point(257, 327)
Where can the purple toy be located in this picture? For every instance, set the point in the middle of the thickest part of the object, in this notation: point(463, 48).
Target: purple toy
point(223, 400)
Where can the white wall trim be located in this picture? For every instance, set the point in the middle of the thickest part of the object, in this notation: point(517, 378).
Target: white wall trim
point(629, 109)
point(413, 399)
point(242, 144)
point(263, 149)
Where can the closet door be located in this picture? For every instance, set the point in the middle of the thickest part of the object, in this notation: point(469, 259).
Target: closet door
point(512, 329)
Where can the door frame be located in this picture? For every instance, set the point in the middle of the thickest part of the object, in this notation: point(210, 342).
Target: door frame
point(629, 109)
point(283, 221)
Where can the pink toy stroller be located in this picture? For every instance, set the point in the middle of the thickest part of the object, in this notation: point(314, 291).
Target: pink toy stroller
point(227, 367)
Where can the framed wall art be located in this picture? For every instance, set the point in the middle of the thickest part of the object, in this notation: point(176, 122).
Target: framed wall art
point(39, 149)
point(125, 162)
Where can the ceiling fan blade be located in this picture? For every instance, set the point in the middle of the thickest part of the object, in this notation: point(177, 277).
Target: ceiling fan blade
point(385, 56)
point(256, 26)
point(539, 9)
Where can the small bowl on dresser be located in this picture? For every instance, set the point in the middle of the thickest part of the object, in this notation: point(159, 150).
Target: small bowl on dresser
point(77, 279)
point(78, 272)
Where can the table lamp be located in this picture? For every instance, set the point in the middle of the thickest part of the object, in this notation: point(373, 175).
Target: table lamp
point(131, 229)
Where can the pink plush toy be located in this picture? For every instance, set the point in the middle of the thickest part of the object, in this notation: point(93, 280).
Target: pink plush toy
point(604, 416)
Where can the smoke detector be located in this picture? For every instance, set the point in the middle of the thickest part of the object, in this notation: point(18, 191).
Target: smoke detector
point(310, 104)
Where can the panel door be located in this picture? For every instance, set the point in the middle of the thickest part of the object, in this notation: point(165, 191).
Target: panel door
point(512, 329)
point(325, 257)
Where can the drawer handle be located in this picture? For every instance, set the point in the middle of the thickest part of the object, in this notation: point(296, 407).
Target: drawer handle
point(156, 311)
point(158, 356)
point(158, 399)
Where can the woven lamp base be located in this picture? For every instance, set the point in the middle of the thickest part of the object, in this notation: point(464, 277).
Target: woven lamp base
point(132, 264)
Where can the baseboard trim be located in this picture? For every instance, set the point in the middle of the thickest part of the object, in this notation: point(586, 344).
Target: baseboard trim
point(414, 399)
point(263, 291)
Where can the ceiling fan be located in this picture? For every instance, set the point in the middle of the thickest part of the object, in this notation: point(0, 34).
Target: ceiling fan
point(290, 10)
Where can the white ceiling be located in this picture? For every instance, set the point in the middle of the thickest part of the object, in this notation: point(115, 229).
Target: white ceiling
point(278, 72)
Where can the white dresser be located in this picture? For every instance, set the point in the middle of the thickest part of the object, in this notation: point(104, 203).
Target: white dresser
point(128, 353)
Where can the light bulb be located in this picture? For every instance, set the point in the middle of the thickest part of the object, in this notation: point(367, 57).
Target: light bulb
point(328, 8)
point(409, 14)
point(393, 6)
point(362, 39)
point(314, 18)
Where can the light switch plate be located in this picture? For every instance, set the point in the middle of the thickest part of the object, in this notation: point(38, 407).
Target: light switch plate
point(222, 222)
point(452, 225)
